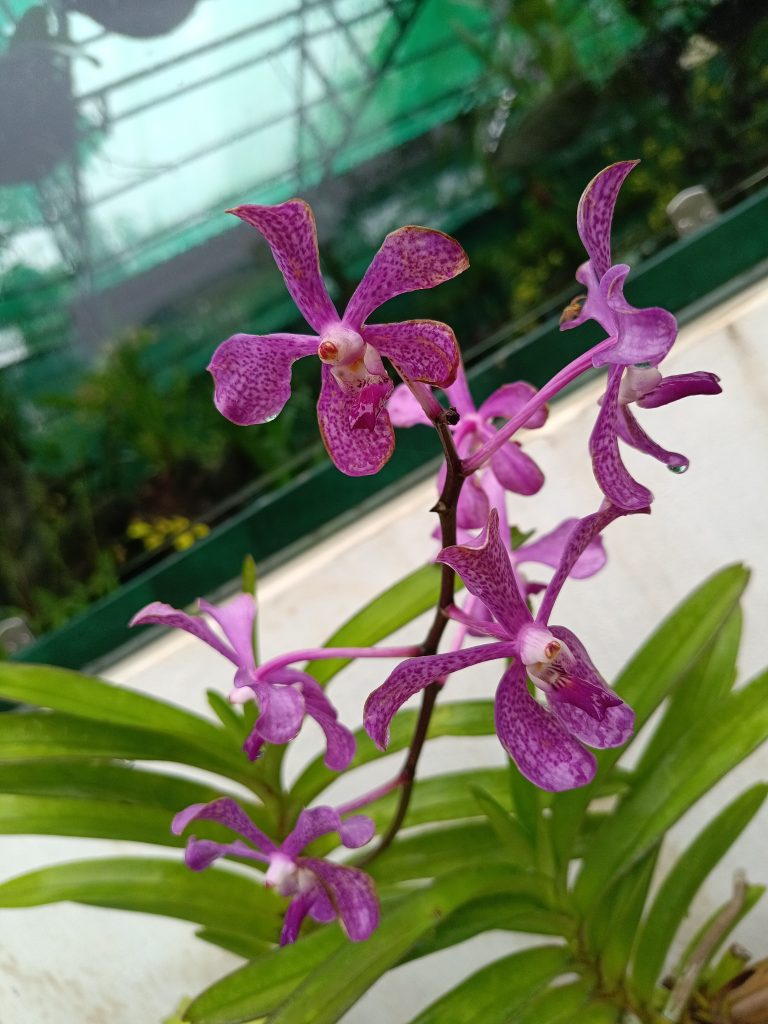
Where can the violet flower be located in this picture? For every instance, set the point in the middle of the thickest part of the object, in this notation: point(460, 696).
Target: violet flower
point(510, 467)
point(638, 340)
point(253, 372)
point(318, 888)
point(545, 743)
point(284, 695)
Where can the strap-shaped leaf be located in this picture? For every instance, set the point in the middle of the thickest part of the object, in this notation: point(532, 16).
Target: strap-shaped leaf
point(506, 826)
point(563, 1004)
point(681, 884)
point(702, 687)
point(706, 752)
point(438, 851)
point(464, 718)
point(76, 694)
point(399, 604)
point(218, 899)
point(651, 675)
point(243, 946)
point(50, 735)
point(500, 987)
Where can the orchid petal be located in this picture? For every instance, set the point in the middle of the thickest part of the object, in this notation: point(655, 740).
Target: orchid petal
point(544, 752)
point(487, 572)
point(630, 431)
point(201, 853)
point(617, 724)
point(595, 213)
point(282, 711)
point(681, 385)
point(404, 410)
point(642, 335)
point(356, 452)
point(340, 742)
point(516, 471)
point(252, 374)
point(352, 893)
point(226, 812)
point(160, 614)
point(410, 259)
point(414, 675)
point(610, 472)
point(594, 306)
point(423, 350)
point(580, 537)
point(459, 394)
point(297, 910)
point(509, 399)
point(319, 821)
point(478, 621)
point(236, 619)
point(549, 548)
point(291, 234)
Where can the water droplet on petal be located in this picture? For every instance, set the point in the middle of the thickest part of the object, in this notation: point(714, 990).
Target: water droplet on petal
point(677, 469)
point(643, 366)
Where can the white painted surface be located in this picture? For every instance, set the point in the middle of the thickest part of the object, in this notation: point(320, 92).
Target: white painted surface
point(77, 965)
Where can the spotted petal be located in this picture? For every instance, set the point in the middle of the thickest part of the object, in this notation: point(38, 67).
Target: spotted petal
point(611, 474)
point(297, 910)
point(409, 259)
point(201, 853)
point(543, 750)
point(227, 812)
point(595, 213)
point(509, 399)
point(487, 572)
point(160, 614)
point(290, 231)
point(319, 821)
point(351, 892)
point(549, 548)
point(355, 451)
point(236, 619)
point(252, 374)
point(642, 335)
point(340, 742)
point(516, 471)
point(618, 721)
point(423, 350)
point(633, 434)
point(680, 385)
point(414, 675)
point(282, 712)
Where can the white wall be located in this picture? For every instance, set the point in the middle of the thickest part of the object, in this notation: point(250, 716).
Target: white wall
point(77, 965)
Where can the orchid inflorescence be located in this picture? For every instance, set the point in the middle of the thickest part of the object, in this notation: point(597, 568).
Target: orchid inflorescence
point(551, 704)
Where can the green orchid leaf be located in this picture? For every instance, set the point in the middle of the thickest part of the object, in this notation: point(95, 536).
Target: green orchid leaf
point(50, 735)
point(442, 797)
point(464, 718)
point(673, 900)
point(400, 604)
point(261, 986)
point(651, 675)
point(563, 1004)
point(506, 826)
point(245, 947)
point(445, 849)
point(499, 988)
point(218, 899)
point(73, 693)
point(702, 687)
point(527, 801)
point(231, 719)
point(708, 750)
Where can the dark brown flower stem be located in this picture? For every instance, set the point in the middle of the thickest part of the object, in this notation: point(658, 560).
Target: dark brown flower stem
point(446, 510)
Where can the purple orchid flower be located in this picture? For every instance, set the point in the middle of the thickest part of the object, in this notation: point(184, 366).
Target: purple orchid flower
point(545, 743)
point(318, 888)
point(253, 372)
point(638, 340)
point(509, 467)
point(284, 695)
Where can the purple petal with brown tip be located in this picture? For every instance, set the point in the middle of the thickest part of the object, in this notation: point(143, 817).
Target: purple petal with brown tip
point(252, 374)
point(291, 234)
point(409, 259)
point(423, 350)
point(356, 452)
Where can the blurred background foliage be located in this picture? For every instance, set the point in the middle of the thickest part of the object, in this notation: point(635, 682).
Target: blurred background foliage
point(119, 273)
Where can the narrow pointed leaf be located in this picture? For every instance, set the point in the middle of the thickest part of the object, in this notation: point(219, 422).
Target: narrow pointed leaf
point(676, 894)
point(710, 749)
point(491, 993)
point(246, 947)
point(563, 1004)
point(506, 826)
point(622, 918)
point(526, 800)
point(218, 899)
